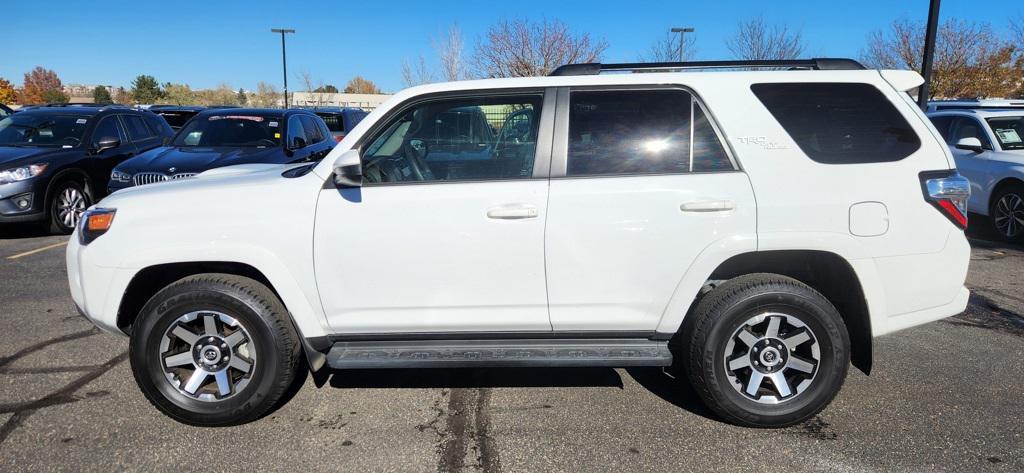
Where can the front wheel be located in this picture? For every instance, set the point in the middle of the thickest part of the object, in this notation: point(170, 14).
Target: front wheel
point(766, 351)
point(1008, 212)
point(67, 202)
point(214, 349)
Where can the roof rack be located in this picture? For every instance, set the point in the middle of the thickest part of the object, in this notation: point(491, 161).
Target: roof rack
point(84, 105)
point(821, 64)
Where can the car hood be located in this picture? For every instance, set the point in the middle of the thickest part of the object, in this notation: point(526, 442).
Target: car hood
point(13, 156)
point(196, 160)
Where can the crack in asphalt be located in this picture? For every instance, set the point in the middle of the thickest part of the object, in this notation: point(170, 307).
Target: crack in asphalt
point(466, 431)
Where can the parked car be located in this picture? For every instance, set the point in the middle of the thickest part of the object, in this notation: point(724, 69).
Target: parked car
point(225, 137)
point(340, 120)
point(988, 146)
point(176, 115)
point(617, 226)
point(973, 104)
point(55, 160)
point(5, 110)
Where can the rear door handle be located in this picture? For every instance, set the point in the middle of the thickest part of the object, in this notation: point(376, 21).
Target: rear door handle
point(513, 212)
point(708, 206)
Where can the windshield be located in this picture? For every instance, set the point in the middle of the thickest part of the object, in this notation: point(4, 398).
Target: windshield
point(1008, 131)
point(42, 129)
point(231, 130)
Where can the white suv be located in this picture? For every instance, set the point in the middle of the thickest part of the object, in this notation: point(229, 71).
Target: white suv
point(752, 228)
point(988, 146)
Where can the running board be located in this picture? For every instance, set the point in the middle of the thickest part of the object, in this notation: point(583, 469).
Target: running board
point(499, 353)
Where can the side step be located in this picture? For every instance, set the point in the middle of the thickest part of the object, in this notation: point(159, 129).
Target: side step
point(499, 353)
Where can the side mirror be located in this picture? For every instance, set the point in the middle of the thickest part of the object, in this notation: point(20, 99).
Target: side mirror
point(970, 144)
point(348, 170)
point(298, 142)
point(105, 143)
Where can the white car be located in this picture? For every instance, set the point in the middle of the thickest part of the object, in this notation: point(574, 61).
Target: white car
point(988, 146)
point(754, 228)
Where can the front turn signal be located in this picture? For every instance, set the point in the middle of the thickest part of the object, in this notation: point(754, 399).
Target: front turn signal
point(95, 222)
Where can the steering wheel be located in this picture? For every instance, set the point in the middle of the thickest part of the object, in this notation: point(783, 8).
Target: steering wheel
point(73, 141)
point(416, 163)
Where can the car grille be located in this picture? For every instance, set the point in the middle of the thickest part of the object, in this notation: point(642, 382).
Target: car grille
point(144, 178)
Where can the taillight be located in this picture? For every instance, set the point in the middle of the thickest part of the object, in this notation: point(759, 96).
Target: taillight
point(947, 191)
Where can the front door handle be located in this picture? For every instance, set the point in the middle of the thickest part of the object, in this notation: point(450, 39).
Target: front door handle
point(708, 206)
point(513, 212)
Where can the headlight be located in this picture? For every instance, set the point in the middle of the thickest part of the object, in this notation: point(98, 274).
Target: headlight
point(119, 176)
point(8, 176)
point(94, 223)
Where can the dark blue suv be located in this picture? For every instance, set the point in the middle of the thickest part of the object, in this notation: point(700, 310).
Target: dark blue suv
point(226, 137)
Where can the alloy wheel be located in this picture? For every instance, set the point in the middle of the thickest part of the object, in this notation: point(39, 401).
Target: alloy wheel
point(70, 204)
point(1009, 215)
point(207, 355)
point(772, 358)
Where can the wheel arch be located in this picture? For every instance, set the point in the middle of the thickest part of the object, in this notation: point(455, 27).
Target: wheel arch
point(842, 287)
point(151, 279)
point(65, 173)
point(1002, 184)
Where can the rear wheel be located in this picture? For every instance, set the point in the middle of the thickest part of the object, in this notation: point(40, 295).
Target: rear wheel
point(766, 351)
point(67, 202)
point(1007, 212)
point(214, 350)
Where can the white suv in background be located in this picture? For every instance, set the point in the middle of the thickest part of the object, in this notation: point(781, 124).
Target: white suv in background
point(988, 146)
point(754, 229)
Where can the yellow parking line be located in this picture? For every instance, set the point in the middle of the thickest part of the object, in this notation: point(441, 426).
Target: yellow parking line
point(37, 250)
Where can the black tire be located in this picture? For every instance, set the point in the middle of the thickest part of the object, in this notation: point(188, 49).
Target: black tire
point(54, 205)
point(729, 308)
point(1011, 195)
point(275, 352)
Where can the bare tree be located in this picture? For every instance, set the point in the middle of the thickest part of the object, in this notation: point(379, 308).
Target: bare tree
point(266, 96)
point(449, 51)
point(970, 60)
point(522, 48)
point(314, 88)
point(666, 49)
point(757, 40)
point(416, 74)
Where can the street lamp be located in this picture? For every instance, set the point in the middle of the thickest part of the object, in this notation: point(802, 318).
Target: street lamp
point(682, 35)
point(284, 60)
point(929, 54)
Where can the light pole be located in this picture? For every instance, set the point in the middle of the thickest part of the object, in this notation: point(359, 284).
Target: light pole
point(284, 60)
point(929, 53)
point(682, 39)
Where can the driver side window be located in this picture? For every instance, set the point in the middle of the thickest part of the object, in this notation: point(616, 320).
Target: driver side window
point(969, 128)
point(108, 127)
point(464, 139)
point(296, 133)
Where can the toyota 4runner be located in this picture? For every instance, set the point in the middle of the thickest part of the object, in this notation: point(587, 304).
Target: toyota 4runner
point(753, 229)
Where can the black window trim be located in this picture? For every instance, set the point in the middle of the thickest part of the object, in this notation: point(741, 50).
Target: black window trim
point(560, 146)
point(542, 153)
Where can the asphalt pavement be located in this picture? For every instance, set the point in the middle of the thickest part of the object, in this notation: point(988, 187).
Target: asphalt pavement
point(946, 396)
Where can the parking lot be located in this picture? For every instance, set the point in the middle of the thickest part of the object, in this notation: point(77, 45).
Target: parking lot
point(943, 396)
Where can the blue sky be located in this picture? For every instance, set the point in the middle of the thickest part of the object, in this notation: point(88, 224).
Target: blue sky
point(204, 43)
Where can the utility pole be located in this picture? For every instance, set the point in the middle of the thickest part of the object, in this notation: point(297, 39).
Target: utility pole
point(682, 39)
point(284, 60)
point(929, 54)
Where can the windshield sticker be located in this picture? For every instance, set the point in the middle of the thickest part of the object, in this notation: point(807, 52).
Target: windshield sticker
point(236, 117)
point(67, 146)
point(1008, 135)
point(81, 121)
point(272, 124)
point(277, 135)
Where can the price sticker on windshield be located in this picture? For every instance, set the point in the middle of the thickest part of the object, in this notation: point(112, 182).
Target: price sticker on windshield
point(1008, 135)
point(81, 121)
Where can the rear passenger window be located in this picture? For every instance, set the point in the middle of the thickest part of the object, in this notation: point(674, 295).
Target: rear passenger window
point(137, 128)
point(640, 132)
point(156, 124)
point(840, 123)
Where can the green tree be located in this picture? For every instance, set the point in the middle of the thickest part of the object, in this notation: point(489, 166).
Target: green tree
point(101, 95)
point(55, 96)
point(145, 89)
point(242, 98)
point(326, 89)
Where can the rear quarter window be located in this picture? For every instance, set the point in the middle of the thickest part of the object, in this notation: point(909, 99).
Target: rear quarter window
point(840, 123)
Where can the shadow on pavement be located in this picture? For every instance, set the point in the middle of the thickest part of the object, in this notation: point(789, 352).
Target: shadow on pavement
point(672, 389)
point(14, 231)
point(981, 233)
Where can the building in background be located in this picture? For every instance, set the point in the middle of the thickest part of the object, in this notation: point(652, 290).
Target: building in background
point(366, 102)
